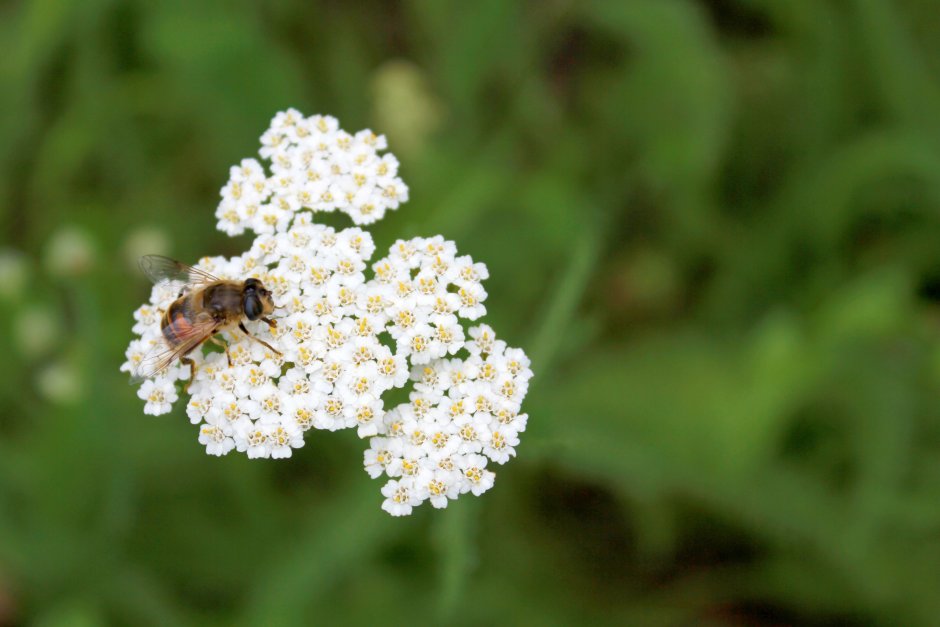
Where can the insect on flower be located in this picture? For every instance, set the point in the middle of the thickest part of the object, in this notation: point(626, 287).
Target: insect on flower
point(349, 328)
point(206, 306)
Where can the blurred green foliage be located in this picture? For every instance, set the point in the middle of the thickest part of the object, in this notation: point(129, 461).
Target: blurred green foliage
point(713, 225)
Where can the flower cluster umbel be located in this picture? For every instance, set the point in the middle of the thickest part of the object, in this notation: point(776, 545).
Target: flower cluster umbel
point(314, 166)
point(346, 338)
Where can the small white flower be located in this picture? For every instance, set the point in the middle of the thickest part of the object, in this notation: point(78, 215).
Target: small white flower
point(477, 479)
point(383, 452)
point(284, 438)
point(215, 440)
point(439, 487)
point(135, 354)
point(160, 395)
point(500, 445)
point(401, 497)
point(254, 441)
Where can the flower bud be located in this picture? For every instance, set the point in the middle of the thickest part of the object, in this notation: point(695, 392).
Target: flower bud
point(60, 383)
point(36, 331)
point(70, 252)
point(14, 271)
point(405, 106)
point(147, 240)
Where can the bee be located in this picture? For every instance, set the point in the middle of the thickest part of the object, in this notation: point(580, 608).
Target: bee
point(205, 307)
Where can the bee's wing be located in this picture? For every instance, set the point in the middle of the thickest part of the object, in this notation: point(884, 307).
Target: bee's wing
point(159, 268)
point(161, 355)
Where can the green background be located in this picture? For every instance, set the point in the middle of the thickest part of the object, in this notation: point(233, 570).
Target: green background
point(713, 226)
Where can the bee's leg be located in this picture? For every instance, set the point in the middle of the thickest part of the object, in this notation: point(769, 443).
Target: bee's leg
point(215, 340)
point(241, 325)
point(187, 361)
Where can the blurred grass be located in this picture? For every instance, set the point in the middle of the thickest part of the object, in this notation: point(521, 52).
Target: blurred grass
point(712, 224)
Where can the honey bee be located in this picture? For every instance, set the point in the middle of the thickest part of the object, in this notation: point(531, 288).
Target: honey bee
point(206, 306)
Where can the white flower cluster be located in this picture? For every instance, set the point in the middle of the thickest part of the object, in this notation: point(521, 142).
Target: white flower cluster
point(314, 166)
point(462, 411)
point(344, 338)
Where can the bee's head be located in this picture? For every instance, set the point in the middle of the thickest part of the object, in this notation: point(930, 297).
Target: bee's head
point(256, 300)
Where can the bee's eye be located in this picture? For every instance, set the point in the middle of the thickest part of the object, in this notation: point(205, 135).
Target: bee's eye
point(252, 306)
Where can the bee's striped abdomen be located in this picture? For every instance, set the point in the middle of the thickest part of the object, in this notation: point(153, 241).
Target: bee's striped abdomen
point(176, 326)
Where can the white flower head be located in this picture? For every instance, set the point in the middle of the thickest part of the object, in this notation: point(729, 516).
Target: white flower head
point(313, 165)
point(346, 329)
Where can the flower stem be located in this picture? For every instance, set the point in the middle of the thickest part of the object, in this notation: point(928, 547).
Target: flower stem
point(455, 537)
point(546, 340)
